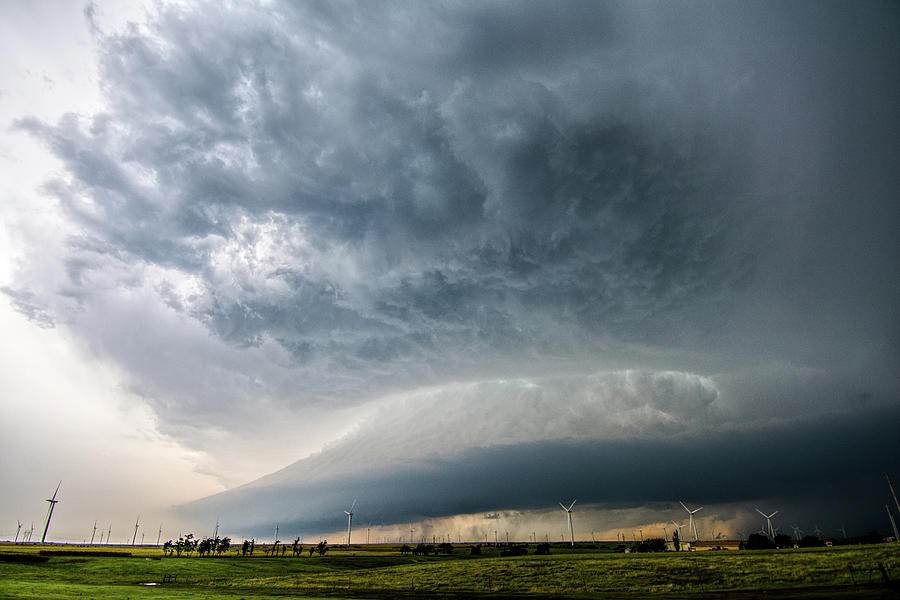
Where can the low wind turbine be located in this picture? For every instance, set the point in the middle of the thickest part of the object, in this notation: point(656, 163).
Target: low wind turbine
point(691, 513)
point(18, 529)
point(349, 514)
point(569, 518)
point(769, 522)
point(93, 533)
point(52, 502)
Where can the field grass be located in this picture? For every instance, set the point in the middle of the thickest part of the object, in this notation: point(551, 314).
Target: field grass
point(380, 571)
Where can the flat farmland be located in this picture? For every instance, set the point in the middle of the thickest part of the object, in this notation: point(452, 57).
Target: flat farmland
point(380, 571)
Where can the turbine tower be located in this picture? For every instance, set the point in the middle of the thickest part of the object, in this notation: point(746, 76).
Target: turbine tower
point(349, 514)
point(769, 522)
point(569, 518)
point(52, 502)
point(692, 524)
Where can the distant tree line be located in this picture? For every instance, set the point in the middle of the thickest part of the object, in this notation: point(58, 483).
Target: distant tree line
point(187, 545)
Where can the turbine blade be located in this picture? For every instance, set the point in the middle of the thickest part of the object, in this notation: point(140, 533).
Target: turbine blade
point(761, 512)
point(683, 506)
point(573, 504)
point(773, 514)
point(57, 489)
point(698, 509)
point(563, 507)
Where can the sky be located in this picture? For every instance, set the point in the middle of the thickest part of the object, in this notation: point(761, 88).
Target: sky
point(456, 261)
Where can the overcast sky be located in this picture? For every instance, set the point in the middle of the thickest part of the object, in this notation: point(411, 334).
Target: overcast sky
point(453, 259)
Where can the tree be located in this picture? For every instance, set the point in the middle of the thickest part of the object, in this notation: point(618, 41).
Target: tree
point(811, 541)
point(783, 540)
point(676, 541)
point(543, 548)
point(651, 545)
point(205, 546)
point(758, 541)
point(223, 545)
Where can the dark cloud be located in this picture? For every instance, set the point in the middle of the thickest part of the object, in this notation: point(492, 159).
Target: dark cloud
point(322, 204)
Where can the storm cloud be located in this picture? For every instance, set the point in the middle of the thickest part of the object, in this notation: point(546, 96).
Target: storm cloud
point(673, 221)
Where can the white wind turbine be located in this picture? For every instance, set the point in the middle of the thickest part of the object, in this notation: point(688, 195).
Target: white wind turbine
point(569, 517)
point(769, 522)
point(52, 502)
point(137, 523)
point(349, 514)
point(691, 513)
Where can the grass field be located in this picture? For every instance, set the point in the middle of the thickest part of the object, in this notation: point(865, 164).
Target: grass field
point(381, 572)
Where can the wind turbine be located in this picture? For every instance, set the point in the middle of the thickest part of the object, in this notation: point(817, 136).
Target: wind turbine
point(52, 502)
point(93, 533)
point(890, 516)
point(18, 529)
point(137, 523)
point(797, 532)
point(769, 522)
point(569, 518)
point(691, 513)
point(349, 514)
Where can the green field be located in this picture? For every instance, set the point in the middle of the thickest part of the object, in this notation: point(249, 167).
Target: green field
point(382, 572)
